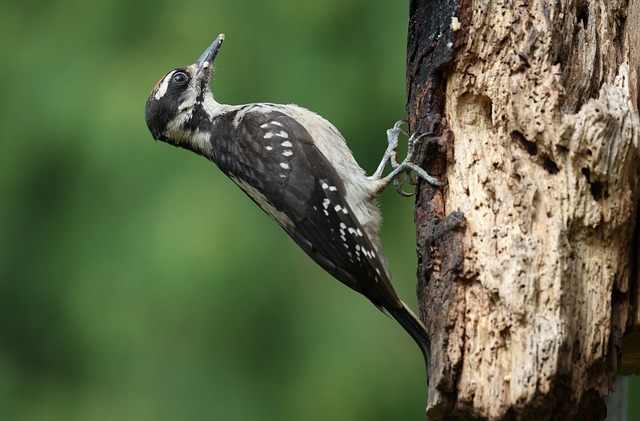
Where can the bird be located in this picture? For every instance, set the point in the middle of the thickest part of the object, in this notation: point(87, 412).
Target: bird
point(297, 167)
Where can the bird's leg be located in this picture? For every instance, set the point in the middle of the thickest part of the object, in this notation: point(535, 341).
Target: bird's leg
point(390, 155)
point(406, 166)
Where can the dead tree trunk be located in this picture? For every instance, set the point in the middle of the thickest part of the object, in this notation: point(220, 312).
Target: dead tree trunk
point(527, 276)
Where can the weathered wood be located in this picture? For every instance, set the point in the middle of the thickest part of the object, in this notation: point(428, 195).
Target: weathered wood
point(439, 250)
point(532, 111)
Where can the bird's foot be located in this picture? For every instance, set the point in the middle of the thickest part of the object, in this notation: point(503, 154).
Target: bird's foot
point(407, 167)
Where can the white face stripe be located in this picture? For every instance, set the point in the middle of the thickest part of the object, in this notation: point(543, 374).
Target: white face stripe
point(163, 85)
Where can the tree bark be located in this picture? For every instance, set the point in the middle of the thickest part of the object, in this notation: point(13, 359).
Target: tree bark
point(526, 263)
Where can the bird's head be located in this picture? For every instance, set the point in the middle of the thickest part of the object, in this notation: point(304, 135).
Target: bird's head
point(182, 99)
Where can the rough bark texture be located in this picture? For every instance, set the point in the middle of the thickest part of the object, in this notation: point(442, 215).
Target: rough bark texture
point(528, 287)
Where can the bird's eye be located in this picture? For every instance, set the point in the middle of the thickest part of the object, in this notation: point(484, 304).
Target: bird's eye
point(180, 78)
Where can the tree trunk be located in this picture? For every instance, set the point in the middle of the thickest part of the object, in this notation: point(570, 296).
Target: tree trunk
point(527, 276)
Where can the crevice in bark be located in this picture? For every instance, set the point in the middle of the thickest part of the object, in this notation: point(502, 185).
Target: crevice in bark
point(549, 165)
point(529, 146)
point(582, 16)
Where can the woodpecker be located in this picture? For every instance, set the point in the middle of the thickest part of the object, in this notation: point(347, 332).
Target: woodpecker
point(297, 168)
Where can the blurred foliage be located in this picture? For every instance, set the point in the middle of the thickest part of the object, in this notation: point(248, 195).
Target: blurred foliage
point(136, 282)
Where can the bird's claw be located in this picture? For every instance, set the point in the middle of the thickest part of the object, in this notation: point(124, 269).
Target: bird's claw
point(408, 167)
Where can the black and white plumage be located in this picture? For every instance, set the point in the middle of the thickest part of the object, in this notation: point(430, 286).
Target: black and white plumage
point(297, 167)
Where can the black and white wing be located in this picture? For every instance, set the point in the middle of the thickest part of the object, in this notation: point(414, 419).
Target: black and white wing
point(274, 160)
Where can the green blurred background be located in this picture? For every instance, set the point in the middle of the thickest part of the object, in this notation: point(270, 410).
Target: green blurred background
point(138, 283)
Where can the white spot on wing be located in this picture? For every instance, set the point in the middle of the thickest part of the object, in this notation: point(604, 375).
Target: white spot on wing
point(287, 153)
point(283, 134)
point(277, 123)
point(286, 143)
point(268, 135)
point(284, 165)
point(269, 148)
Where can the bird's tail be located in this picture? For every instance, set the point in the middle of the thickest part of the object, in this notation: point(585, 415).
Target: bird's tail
point(414, 327)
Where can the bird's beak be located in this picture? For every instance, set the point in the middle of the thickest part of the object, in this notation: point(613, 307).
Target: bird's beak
point(205, 61)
